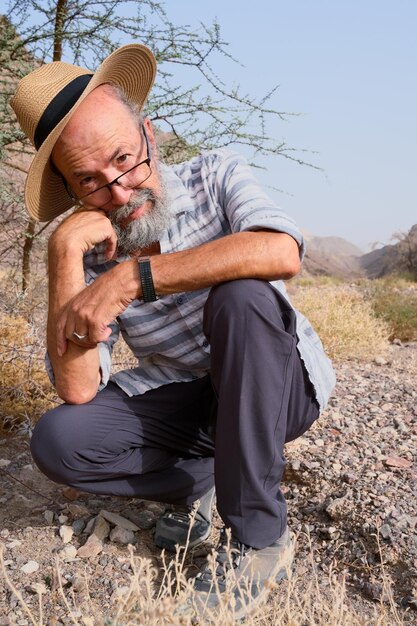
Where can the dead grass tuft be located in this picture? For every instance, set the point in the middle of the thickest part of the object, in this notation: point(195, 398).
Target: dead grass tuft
point(26, 392)
point(344, 320)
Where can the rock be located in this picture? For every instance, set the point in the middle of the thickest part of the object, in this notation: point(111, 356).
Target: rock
point(101, 528)
point(78, 526)
point(30, 567)
point(78, 510)
point(49, 517)
point(380, 361)
point(145, 520)
point(4, 462)
point(38, 588)
point(13, 544)
point(62, 518)
point(118, 520)
point(337, 509)
point(68, 553)
point(92, 547)
point(66, 533)
point(70, 493)
point(385, 531)
point(396, 461)
point(122, 535)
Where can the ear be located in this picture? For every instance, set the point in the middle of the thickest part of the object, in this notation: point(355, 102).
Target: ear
point(149, 131)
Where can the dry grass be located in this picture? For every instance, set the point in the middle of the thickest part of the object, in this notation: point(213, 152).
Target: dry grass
point(154, 600)
point(344, 319)
point(25, 388)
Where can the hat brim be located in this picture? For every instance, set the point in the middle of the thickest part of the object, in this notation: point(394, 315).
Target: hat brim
point(133, 69)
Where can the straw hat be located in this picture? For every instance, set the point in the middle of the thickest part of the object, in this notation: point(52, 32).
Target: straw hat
point(46, 98)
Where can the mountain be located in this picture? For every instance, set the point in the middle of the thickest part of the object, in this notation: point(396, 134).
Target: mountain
point(397, 257)
point(331, 256)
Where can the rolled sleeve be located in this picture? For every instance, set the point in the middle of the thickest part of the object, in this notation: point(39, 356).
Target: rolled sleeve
point(246, 204)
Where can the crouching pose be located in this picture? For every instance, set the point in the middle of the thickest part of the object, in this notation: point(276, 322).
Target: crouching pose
point(185, 262)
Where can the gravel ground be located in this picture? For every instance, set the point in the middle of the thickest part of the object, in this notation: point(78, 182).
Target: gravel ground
point(350, 486)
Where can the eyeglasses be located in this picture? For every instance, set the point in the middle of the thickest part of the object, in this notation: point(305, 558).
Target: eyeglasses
point(132, 178)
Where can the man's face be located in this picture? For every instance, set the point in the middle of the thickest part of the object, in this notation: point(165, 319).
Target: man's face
point(100, 142)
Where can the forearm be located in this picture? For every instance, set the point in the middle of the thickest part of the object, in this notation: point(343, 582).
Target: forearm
point(263, 255)
point(77, 370)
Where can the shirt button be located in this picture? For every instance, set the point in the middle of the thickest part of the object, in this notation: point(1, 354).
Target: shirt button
point(180, 300)
point(205, 343)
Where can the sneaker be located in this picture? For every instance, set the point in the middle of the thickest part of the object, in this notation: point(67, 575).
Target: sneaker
point(173, 527)
point(238, 578)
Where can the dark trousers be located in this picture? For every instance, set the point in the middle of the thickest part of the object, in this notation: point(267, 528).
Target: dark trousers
point(173, 443)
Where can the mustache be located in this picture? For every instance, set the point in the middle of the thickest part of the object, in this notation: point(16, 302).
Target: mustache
point(136, 200)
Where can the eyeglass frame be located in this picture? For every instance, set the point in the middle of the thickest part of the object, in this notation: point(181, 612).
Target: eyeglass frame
point(115, 181)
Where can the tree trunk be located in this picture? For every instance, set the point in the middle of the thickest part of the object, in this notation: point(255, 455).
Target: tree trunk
point(60, 17)
point(27, 249)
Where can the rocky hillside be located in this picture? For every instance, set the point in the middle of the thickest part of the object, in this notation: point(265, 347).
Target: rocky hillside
point(334, 256)
point(331, 256)
point(400, 256)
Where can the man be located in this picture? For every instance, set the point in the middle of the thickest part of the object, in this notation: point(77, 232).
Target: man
point(179, 260)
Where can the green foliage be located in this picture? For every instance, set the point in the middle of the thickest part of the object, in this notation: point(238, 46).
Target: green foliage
point(394, 300)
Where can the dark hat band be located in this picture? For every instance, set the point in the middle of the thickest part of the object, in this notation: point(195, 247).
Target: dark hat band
point(59, 107)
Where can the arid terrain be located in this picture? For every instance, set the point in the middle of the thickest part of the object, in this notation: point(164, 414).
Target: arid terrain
point(350, 486)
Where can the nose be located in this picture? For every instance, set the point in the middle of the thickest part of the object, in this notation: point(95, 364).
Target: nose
point(120, 195)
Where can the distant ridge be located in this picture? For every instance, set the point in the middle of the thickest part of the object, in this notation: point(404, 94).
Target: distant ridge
point(335, 256)
point(331, 256)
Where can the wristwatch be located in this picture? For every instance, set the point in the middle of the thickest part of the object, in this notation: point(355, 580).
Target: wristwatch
point(148, 289)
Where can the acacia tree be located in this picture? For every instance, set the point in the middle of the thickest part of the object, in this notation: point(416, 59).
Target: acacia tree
point(207, 114)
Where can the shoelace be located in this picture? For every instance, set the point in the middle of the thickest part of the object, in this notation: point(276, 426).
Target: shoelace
point(229, 554)
point(180, 513)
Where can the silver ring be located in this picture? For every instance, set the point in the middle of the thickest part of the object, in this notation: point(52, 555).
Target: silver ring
point(79, 337)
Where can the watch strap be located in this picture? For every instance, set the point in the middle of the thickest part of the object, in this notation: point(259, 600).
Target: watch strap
point(145, 273)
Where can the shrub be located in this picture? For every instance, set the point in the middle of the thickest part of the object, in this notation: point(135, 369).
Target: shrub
point(344, 320)
point(395, 301)
point(25, 388)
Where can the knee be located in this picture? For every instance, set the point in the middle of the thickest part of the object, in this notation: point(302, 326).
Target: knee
point(53, 444)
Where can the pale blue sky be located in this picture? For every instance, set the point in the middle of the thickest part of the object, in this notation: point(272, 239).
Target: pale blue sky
point(350, 69)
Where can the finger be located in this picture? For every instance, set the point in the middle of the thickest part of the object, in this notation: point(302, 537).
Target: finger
point(111, 246)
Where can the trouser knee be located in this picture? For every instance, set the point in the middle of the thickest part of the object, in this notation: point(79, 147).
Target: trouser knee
point(52, 449)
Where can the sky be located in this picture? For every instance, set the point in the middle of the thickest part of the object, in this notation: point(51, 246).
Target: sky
point(349, 69)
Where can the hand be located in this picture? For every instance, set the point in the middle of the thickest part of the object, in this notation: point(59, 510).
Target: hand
point(91, 311)
point(82, 230)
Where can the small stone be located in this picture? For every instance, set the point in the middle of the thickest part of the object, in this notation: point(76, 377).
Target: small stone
point(101, 528)
point(4, 533)
point(145, 520)
point(78, 526)
point(78, 510)
point(4, 462)
point(38, 588)
point(385, 531)
point(68, 553)
point(380, 361)
point(118, 520)
point(122, 535)
point(13, 544)
point(337, 508)
point(30, 567)
point(396, 461)
point(62, 518)
point(92, 547)
point(70, 493)
point(66, 533)
point(49, 517)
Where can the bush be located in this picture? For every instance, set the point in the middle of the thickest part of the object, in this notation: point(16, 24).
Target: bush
point(395, 302)
point(344, 320)
point(25, 388)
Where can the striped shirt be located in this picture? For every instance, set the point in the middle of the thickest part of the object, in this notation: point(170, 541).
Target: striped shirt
point(211, 196)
